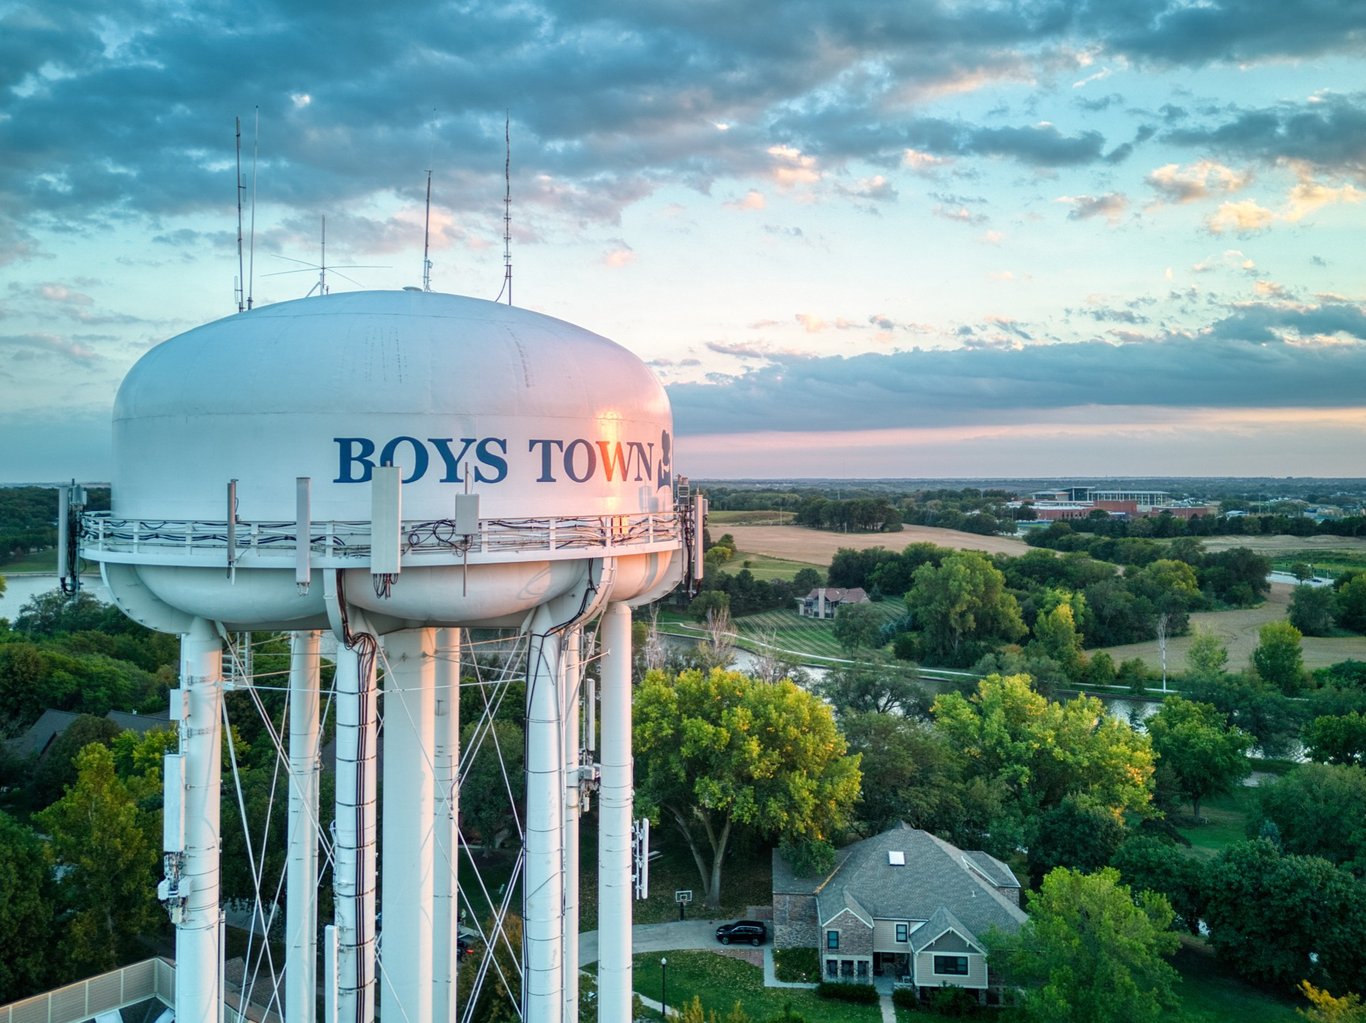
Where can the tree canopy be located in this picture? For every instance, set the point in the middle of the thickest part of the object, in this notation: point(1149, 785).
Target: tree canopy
point(1199, 753)
point(1093, 953)
point(721, 750)
point(1044, 751)
point(961, 607)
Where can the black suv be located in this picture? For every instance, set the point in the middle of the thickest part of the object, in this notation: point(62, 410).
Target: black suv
point(753, 931)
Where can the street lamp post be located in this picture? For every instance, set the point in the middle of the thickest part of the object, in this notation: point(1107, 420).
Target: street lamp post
point(664, 987)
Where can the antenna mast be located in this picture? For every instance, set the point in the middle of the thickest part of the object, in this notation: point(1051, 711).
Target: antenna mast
point(241, 282)
point(427, 238)
point(507, 206)
point(251, 265)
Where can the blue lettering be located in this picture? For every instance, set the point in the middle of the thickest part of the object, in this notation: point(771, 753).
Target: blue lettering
point(420, 457)
point(349, 457)
point(647, 458)
point(496, 462)
point(587, 448)
point(546, 476)
point(450, 458)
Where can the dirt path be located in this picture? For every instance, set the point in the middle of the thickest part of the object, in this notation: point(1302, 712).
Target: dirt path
point(818, 547)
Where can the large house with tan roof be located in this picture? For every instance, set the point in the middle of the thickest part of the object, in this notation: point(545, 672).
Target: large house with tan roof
point(903, 904)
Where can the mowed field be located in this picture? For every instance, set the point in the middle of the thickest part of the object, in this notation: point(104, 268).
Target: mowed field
point(818, 546)
point(1238, 629)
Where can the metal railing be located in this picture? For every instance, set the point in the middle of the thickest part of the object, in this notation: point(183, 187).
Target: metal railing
point(86, 999)
point(350, 541)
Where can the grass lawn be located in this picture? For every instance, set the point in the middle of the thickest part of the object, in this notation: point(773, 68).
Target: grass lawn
point(720, 981)
point(1226, 821)
point(39, 561)
point(763, 566)
point(758, 517)
point(746, 880)
point(1211, 994)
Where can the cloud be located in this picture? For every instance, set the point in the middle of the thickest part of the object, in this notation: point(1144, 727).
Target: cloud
point(27, 345)
point(1260, 355)
point(1244, 217)
point(1197, 181)
point(1084, 207)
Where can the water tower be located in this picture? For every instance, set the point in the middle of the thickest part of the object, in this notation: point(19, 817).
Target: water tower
point(394, 468)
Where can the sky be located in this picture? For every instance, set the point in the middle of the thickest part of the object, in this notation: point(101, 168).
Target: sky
point(854, 238)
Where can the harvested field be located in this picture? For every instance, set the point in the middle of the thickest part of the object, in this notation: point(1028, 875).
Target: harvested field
point(818, 547)
point(1281, 544)
point(1238, 629)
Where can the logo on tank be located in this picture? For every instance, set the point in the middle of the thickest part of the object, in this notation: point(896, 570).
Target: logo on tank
point(494, 459)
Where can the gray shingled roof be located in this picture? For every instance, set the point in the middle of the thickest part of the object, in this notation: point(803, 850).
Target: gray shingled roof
point(937, 875)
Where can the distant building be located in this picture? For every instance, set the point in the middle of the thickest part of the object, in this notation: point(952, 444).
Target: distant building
point(824, 601)
point(904, 904)
point(1082, 502)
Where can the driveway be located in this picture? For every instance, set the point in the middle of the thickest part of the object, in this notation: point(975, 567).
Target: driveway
point(657, 938)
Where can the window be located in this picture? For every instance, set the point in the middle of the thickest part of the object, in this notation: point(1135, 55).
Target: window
point(951, 966)
point(901, 932)
point(832, 967)
point(862, 969)
point(832, 939)
point(846, 967)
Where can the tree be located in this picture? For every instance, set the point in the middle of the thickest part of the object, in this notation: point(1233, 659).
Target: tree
point(961, 605)
point(109, 856)
point(1337, 738)
point(1043, 751)
point(719, 751)
point(1351, 603)
point(1056, 631)
point(885, 688)
point(1150, 863)
point(857, 625)
point(1324, 1008)
point(1279, 919)
point(1206, 657)
point(491, 786)
point(1312, 610)
point(1199, 753)
point(1074, 834)
point(1278, 657)
point(1092, 953)
point(57, 768)
point(1320, 810)
point(27, 911)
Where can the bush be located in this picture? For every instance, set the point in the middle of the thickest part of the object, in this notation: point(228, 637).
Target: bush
point(906, 998)
point(797, 965)
point(954, 1001)
point(839, 991)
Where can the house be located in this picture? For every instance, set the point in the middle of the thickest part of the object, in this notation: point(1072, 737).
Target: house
point(34, 742)
point(824, 601)
point(904, 904)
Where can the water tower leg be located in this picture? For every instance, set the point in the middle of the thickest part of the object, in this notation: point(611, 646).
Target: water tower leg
point(615, 809)
point(571, 674)
point(446, 764)
point(407, 822)
point(543, 901)
point(197, 944)
point(301, 878)
point(354, 849)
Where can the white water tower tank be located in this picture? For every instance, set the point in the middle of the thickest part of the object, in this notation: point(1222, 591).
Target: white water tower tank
point(564, 436)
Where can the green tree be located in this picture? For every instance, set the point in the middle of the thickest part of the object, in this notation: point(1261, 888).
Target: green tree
point(1320, 810)
point(1351, 603)
point(27, 911)
point(1278, 657)
point(491, 786)
point(57, 769)
point(961, 606)
point(1042, 751)
point(1074, 834)
point(1056, 631)
point(1312, 610)
point(1279, 919)
point(108, 857)
point(857, 626)
point(1150, 863)
point(1199, 753)
point(1337, 738)
point(1206, 657)
point(1092, 953)
point(885, 688)
point(719, 751)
